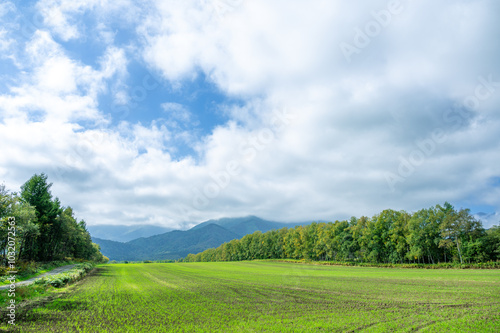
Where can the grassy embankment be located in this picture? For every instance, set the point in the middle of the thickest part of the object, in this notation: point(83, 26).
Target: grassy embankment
point(271, 296)
point(43, 286)
point(28, 270)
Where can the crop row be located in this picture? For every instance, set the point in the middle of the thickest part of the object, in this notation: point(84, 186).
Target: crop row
point(271, 297)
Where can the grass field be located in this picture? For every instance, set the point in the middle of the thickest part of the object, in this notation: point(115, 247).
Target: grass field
point(271, 297)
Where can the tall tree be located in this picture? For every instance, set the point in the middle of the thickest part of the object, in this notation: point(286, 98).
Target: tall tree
point(458, 228)
point(36, 192)
point(25, 228)
point(391, 236)
point(493, 242)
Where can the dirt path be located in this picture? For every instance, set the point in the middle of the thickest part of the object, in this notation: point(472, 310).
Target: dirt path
point(52, 272)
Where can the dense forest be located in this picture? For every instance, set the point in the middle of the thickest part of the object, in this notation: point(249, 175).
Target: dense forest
point(433, 235)
point(44, 230)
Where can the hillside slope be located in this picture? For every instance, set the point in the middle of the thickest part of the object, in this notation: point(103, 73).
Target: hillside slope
point(247, 225)
point(178, 244)
point(170, 245)
point(117, 250)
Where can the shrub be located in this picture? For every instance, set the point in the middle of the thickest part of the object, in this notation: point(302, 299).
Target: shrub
point(62, 279)
point(56, 282)
point(43, 281)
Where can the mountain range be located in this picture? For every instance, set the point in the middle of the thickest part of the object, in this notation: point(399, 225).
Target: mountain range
point(125, 233)
point(178, 244)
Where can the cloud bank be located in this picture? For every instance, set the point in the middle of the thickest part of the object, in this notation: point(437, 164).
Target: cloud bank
point(345, 108)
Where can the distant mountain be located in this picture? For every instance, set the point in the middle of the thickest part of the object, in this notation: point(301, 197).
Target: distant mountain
point(124, 233)
point(247, 225)
point(178, 244)
point(171, 245)
point(117, 250)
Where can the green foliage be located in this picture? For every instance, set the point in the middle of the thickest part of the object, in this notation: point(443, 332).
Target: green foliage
point(26, 229)
point(62, 279)
point(174, 245)
point(429, 236)
point(45, 231)
point(492, 241)
point(29, 269)
point(45, 285)
point(36, 193)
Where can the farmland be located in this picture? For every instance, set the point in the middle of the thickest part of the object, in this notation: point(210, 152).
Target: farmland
point(264, 296)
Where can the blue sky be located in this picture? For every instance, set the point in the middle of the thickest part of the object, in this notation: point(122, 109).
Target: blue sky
point(174, 112)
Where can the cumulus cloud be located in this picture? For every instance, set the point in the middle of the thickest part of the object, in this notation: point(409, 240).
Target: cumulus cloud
point(177, 112)
point(65, 17)
point(360, 119)
point(407, 120)
point(59, 88)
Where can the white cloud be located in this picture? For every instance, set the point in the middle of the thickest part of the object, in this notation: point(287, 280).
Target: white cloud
point(64, 17)
point(177, 112)
point(55, 12)
point(315, 136)
point(7, 9)
point(356, 120)
point(60, 88)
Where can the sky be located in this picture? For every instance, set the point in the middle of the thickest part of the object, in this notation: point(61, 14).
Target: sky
point(173, 112)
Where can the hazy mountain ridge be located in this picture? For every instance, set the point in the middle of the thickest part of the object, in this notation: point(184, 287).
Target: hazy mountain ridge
point(124, 233)
point(116, 250)
point(177, 244)
point(247, 225)
point(170, 245)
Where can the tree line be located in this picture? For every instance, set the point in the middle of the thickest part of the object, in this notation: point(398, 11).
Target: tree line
point(434, 235)
point(45, 230)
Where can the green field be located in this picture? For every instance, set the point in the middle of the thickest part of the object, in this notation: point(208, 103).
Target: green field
point(271, 297)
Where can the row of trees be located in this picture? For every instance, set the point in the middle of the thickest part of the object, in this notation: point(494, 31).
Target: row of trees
point(437, 234)
point(45, 230)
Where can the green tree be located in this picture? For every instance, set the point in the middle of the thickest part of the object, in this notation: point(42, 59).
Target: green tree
point(36, 192)
point(45, 231)
point(359, 231)
point(26, 229)
point(493, 242)
point(458, 228)
point(424, 234)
